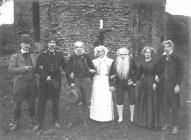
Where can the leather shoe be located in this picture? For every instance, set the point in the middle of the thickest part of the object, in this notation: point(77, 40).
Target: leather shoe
point(14, 126)
point(36, 127)
point(57, 125)
point(165, 127)
point(80, 104)
point(174, 130)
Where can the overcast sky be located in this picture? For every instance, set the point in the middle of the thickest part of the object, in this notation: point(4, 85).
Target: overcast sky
point(179, 7)
point(175, 7)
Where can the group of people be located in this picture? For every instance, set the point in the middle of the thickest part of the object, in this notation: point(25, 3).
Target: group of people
point(153, 85)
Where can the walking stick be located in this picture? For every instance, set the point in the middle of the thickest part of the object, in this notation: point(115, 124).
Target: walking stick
point(112, 79)
point(113, 109)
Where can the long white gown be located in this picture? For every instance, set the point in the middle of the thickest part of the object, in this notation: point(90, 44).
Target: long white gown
point(101, 108)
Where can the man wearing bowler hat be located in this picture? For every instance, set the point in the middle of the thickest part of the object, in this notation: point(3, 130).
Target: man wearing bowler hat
point(22, 65)
point(48, 67)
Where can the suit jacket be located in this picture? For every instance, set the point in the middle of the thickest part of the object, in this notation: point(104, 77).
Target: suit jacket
point(117, 82)
point(71, 67)
point(170, 74)
point(17, 68)
point(49, 65)
point(171, 70)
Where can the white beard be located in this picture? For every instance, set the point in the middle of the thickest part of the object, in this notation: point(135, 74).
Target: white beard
point(79, 51)
point(122, 67)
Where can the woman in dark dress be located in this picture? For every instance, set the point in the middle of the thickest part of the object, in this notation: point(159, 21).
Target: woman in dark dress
point(148, 107)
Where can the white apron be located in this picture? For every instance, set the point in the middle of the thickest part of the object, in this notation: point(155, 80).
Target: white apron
point(101, 108)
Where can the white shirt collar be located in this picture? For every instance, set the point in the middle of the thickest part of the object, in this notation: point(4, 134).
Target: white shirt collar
point(166, 53)
point(23, 51)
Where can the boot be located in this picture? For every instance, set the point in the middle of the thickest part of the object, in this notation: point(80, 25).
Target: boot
point(14, 126)
point(174, 130)
point(120, 112)
point(17, 113)
point(132, 107)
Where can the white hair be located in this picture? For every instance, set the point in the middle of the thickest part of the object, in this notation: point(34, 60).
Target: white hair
point(122, 50)
point(168, 42)
point(79, 48)
point(122, 64)
point(79, 44)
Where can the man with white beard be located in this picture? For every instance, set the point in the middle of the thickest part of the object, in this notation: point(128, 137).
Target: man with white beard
point(79, 71)
point(122, 76)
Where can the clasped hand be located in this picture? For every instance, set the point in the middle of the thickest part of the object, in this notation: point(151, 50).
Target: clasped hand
point(92, 70)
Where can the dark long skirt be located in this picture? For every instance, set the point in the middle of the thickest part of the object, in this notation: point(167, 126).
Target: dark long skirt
point(149, 107)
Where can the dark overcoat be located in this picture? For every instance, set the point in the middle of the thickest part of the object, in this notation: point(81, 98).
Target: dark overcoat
point(71, 67)
point(170, 74)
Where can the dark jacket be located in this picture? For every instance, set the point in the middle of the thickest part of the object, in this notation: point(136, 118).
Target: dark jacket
point(50, 65)
point(170, 74)
point(171, 70)
point(78, 72)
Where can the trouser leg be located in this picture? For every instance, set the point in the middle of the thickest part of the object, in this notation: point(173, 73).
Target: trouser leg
point(120, 96)
point(55, 106)
point(86, 93)
point(175, 116)
point(17, 112)
point(41, 106)
point(32, 109)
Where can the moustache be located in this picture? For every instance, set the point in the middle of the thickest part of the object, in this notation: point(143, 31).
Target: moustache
point(52, 46)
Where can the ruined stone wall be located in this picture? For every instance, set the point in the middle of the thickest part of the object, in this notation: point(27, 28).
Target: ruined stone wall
point(125, 23)
point(22, 17)
point(71, 20)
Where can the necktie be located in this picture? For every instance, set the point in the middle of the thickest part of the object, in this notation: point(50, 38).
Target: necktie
point(25, 54)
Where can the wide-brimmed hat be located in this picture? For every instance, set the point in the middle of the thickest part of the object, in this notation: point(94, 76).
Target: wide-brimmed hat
point(73, 95)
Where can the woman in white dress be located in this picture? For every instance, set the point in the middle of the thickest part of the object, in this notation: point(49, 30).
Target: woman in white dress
point(101, 108)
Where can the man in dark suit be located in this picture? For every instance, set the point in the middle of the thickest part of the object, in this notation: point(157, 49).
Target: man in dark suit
point(48, 67)
point(79, 71)
point(170, 79)
point(22, 65)
point(123, 71)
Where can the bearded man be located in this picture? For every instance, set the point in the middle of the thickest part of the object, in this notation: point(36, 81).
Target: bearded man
point(122, 79)
point(79, 71)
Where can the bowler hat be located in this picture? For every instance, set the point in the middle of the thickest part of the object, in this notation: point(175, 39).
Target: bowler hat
point(50, 38)
point(25, 38)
